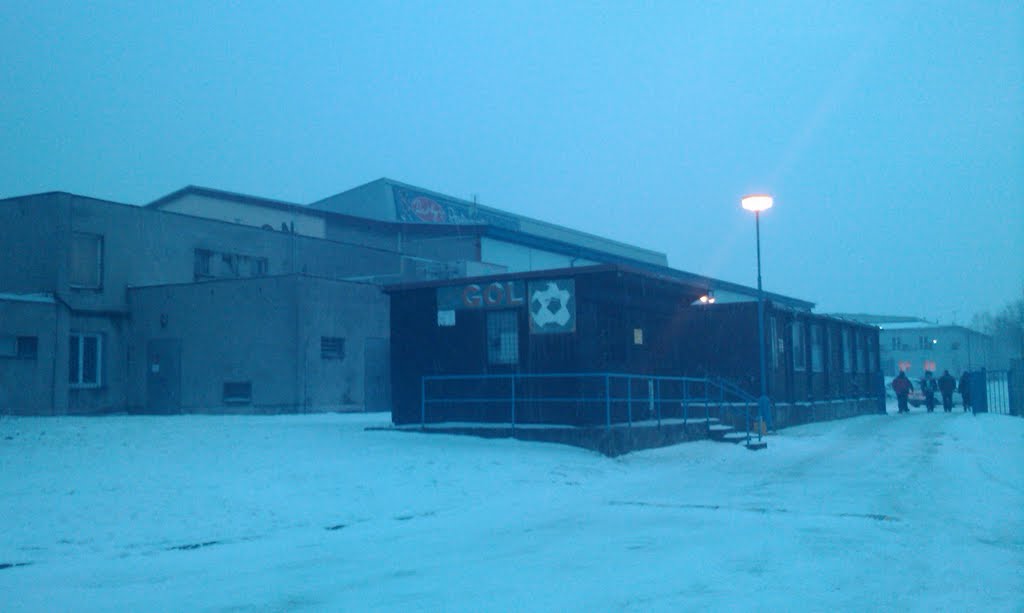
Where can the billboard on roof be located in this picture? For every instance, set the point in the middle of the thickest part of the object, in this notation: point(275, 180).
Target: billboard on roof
point(417, 207)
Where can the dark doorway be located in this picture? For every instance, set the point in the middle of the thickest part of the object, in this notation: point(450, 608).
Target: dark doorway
point(163, 376)
point(377, 386)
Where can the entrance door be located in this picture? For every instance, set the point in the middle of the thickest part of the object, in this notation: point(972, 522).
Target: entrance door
point(377, 384)
point(163, 376)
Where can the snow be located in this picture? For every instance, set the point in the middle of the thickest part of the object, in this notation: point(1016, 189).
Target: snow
point(45, 298)
point(314, 512)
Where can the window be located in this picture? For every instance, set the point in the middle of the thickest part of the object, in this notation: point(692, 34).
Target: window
point(25, 347)
point(214, 264)
point(86, 261)
point(863, 354)
point(202, 264)
point(332, 348)
point(85, 360)
point(237, 392)
point(847, 351)
point(776, 344)
point(817, 349)
point(502, 337)
point(799, 346)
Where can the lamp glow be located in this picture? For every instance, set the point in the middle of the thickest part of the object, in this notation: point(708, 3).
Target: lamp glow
point(757, 202)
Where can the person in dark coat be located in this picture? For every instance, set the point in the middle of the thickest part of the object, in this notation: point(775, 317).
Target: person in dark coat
point(947, 385)
point(902, 386)
point(965, 390)
point(928, 387)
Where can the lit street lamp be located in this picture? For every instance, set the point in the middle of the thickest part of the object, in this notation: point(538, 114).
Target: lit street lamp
point(758, 203)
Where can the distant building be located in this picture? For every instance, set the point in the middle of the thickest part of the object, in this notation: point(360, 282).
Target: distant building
point(914, 345)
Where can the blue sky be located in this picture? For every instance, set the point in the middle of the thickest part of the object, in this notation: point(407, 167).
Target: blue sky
point(891, 134)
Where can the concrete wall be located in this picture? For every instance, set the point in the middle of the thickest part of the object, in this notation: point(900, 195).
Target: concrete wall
point(33, 385)
point(264, 330)
point(443, 248)
point(373, 200)
point(232, 330)
point(352, 311)
point(247, 214)
point(375, 236)
point(575, 237)
point(518, 258)
point(147, 247)
point(35, 234)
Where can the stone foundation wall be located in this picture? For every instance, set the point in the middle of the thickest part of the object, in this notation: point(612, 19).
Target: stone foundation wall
point(798, 413)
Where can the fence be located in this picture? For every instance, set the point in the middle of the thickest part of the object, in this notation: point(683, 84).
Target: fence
point(583, 399)
point(997, 391)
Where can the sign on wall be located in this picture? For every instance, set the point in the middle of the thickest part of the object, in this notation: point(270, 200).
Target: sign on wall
point(552, 306)
point(421, 208)
point(494, 295)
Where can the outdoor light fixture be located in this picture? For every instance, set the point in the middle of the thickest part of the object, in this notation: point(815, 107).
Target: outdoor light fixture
point(708, 298)
point(935, 341)
point(757, 202)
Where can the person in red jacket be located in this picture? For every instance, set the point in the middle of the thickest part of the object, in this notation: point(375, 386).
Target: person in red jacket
point(902, 386)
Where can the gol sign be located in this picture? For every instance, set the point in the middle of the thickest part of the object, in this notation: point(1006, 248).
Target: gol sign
point(495, 295)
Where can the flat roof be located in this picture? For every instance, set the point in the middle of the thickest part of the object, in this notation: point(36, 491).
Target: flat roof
point(666, 274)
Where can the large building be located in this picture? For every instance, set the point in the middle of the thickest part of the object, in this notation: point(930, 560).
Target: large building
point(206, 300)
point(913, 345)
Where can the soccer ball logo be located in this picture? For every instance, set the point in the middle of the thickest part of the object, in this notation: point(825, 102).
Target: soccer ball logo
point(549, 306)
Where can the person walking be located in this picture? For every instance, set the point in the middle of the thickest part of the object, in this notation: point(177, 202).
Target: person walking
point(928, 388)
point(902, 386)
point(947, 385)
point(965, 390)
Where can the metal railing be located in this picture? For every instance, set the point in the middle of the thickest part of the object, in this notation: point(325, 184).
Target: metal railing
point(584, 399)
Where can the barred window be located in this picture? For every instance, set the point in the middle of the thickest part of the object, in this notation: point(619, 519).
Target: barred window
point(502, 337)
point(332, 348)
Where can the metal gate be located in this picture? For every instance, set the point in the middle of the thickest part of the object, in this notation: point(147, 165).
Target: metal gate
point(997, 391)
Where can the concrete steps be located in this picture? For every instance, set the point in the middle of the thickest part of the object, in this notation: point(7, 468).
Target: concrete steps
point(723, 433)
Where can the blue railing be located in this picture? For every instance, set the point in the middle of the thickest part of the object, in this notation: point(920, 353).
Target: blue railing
point(583, 399)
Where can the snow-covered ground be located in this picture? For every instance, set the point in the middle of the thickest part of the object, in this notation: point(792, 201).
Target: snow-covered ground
point(229, 513)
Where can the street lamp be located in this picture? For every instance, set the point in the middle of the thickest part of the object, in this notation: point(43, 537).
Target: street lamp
point(758, 203)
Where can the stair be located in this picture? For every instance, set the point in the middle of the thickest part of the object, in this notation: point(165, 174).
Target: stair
point(723, 433)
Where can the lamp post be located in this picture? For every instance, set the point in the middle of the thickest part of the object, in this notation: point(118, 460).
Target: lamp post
point(758, 203)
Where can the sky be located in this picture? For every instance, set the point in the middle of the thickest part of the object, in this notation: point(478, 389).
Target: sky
point(891, 134)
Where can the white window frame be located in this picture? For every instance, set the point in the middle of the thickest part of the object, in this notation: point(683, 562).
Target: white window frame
point(80, 359)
